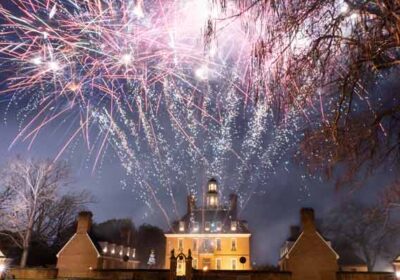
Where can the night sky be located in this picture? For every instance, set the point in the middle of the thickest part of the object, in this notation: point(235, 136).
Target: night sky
point(274, 207)
point(241, 145)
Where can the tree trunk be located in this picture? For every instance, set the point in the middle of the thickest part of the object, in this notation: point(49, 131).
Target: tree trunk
point(24, 257)
point(26, 244)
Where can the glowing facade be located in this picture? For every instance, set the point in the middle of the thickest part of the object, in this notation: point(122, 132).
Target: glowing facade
point(217, 238)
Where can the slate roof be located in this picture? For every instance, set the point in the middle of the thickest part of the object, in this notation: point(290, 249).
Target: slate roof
point(203, 215)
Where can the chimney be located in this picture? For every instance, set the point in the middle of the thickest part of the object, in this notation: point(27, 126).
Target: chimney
point(233, 199)
point(307, 219)
point(191, 204)
point(84, 222)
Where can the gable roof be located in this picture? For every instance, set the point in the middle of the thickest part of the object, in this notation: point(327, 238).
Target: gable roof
point(287, 254)
point(73, 237)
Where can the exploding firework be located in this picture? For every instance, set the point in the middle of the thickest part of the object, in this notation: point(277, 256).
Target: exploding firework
point(171, 87)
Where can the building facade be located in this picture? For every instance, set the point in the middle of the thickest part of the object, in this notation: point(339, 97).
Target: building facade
point(84, 253)
point(214, 234)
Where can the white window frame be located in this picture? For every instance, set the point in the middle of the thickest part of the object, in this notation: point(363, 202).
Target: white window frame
point(196, 226)
point(195, 263)
point(234, 225)
point(216, 263)
point(218, 248)
point(234, 261)
point(181, 226)
point(234, 242)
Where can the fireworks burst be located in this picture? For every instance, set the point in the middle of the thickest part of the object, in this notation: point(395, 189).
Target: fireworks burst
point(172, 86)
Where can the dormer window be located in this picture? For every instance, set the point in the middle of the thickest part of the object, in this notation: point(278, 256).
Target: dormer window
point(195, 226)
point(233, 225)
point(207, 226)
point(181, 226)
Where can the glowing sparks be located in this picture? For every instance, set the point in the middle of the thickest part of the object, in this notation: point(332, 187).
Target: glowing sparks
point(53, 66)
point(37, 60)
point(152, 81)
point(202, 72)
point(126, 59)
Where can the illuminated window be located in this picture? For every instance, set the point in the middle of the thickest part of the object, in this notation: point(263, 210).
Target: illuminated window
point(212, 187)
point(207, 226)
point(105, 249)
point(180, 244)
point(233, 264)
point(212, 200)
point(194, 263)
point(196, 226)
point(206, 263)
point(218, 244)
point(218, 264)
point(195, 242)
point(233, 244)
point(133, 253)
point(181, 226)
point(219, 226)
point(207, 247)
point(233, 225)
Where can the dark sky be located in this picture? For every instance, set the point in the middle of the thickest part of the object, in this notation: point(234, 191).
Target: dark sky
point(270, 212)
point(272, 187)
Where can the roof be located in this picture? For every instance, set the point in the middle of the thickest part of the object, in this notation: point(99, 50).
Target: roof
point(198, 218)
point(295, 236)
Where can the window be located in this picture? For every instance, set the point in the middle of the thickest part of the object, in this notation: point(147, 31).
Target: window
point(206, 263)
point(233, 225)
point(181, 226)
point(180, 244)
point(218, 264)
point(195, 242)
point(207, 226)
point(133, 253)
point(212, 187)
point(218, 244)
point(207, 245)
point(233, 244)
point(219, 226)
point(194, 263)
point(196, 226)
point(212, 200)
point(233, 264)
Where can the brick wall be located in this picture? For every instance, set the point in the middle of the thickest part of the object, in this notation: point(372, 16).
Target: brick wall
point(32, 273)
point(365, 276)
point(240, 275)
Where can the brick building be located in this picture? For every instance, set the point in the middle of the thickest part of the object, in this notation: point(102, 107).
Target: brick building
point(217, 237)
point(84, 252)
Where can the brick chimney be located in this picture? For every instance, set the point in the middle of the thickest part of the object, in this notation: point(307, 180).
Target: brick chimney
point(233, 199)
point(84, 222)
point(307, 219)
